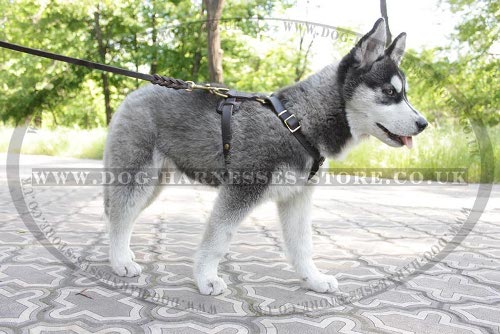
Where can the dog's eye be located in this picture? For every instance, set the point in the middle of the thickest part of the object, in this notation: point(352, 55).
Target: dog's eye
point(389, 91)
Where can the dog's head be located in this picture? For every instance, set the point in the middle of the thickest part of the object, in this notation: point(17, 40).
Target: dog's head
point(374, 90)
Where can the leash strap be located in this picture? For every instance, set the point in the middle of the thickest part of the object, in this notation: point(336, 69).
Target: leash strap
point(293, 125)
point(154, 79)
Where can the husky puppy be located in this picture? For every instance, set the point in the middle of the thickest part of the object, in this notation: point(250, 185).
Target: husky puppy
point(156, 128)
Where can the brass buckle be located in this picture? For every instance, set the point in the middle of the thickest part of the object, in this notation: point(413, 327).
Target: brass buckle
point(281, 113)
point(288, 126)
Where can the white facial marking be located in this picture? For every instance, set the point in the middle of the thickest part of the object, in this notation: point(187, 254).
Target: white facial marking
point(397, 83)
point(406, 86)
point(363, 113)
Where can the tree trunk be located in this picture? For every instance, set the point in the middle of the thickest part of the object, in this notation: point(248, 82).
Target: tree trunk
point(383, 11)
point(135, 45)
point(301, 64)
point(37, 120)
point(107, 104)
point(214, 13)
point(102, 56)
point(195, 69)
point(154, 39)
point(136, 58)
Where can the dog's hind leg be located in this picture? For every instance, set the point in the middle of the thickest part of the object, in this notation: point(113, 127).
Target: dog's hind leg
point(232, 205)
point(295, 216)
point(123, 203)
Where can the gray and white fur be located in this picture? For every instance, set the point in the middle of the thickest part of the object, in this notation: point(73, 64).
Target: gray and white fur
point(362, 95)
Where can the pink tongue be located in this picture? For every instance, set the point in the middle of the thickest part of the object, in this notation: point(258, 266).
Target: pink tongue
point(408, 141)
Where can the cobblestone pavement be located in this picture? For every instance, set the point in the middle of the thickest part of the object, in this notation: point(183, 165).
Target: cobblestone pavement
point(361, 234)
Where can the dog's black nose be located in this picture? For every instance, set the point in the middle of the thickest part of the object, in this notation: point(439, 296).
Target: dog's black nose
point(421, 124)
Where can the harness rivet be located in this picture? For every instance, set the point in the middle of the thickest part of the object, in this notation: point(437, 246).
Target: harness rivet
point(226, 147)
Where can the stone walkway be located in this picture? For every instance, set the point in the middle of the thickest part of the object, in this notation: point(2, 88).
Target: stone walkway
point(363, 235)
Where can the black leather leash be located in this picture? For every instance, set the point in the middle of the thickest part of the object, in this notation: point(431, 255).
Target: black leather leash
point(153, 78)
point(226, 107)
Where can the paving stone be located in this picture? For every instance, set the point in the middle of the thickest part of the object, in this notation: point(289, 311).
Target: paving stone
point(363, 235)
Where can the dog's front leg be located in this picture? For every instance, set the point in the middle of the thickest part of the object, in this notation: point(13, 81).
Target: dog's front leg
point(295, 215)
point(232, 205)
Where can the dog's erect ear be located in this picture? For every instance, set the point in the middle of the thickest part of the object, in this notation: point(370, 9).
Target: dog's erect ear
point(397, 48)
point(371, 46)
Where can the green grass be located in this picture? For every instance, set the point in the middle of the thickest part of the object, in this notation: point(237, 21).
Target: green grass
point(64, 142)
point(444, 147)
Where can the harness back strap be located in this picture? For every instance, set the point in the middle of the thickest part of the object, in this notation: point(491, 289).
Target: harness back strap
point(226, 108)
point(293, 125)
point(245, 95)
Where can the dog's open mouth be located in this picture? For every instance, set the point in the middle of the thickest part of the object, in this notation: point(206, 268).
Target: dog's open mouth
point(403, 140)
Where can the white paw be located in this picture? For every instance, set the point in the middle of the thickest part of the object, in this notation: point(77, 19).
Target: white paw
point(321, 283)
point(211, 286)
point(127, 268)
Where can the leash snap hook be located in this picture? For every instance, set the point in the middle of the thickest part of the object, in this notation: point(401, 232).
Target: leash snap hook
point(191, 86)
point(220, 91)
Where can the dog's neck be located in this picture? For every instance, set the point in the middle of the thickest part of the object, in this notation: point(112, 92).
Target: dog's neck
point(318, 103)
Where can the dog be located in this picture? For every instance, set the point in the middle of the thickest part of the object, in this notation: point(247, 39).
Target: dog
point(156, 128)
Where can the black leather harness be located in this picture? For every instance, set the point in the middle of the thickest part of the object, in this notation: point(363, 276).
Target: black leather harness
point(230, 104)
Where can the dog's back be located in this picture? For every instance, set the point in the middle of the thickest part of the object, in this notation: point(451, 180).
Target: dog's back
point(184, 127)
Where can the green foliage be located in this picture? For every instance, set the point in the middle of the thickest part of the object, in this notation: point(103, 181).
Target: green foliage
point(259, 67)
point(479, 28)
point(447, 146)
point(28, 83)
point(149, 36)
point(462, 79)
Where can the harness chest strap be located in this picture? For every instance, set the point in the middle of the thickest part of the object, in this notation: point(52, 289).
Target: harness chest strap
point(293, 125)
point(229, 105)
